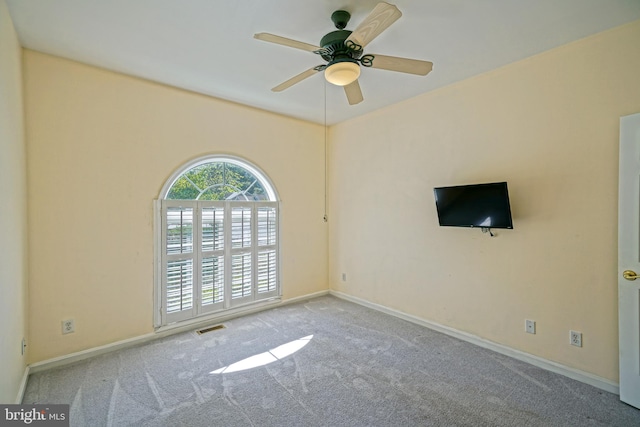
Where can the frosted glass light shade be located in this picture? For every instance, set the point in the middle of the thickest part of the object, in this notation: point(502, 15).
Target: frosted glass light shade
point(342, 73)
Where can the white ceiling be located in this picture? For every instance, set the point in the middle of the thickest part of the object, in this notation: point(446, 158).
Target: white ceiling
point(207, 46)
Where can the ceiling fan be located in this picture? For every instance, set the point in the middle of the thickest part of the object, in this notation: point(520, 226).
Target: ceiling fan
point(343, 51)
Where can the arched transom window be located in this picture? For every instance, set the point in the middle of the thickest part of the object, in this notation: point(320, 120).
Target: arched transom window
point(220, 180)
point(219, 242)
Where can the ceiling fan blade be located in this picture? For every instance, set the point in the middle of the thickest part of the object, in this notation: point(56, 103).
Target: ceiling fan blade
point(295, 79)
point(380, 18)
point(403, 65)
point(353, 92)
point(272, 38)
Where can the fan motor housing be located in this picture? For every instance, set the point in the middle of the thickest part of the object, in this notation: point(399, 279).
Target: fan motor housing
point(333, 45)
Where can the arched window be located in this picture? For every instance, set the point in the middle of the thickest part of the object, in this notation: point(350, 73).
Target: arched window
point(219, 239)
point(219, 178)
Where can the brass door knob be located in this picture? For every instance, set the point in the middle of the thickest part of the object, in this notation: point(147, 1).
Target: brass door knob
point(630, 275)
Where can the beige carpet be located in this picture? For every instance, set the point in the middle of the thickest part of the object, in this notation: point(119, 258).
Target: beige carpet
point(324, 362)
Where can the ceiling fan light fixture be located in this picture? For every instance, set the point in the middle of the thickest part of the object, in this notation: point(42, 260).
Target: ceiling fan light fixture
point(342, 72)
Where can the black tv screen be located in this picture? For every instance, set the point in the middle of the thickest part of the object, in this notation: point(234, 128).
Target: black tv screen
point(477, 205)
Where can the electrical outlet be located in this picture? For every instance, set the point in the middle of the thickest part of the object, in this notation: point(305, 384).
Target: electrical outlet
point(344, 277)
point(68, 326)
point(575, 338)
point(530, 326)
point(24, 346)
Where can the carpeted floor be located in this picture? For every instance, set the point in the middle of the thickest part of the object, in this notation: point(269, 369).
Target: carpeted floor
point(323, 362)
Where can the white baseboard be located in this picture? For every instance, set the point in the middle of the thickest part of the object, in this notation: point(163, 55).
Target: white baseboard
point(164, 331)
point(576, 374)
point(91, 352)
point(23, 385)
point(305, 297)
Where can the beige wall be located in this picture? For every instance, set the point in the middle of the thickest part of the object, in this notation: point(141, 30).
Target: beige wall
point(100, 147)
point(13, 213)
point(549, 126)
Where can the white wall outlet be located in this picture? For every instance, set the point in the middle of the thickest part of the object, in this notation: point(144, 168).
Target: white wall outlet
point(24, 346)
point(344, 277)
point(530, 326)
point(575, 338)
point(68, 326)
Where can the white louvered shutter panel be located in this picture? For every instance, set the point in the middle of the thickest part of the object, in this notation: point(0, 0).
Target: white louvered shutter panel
point(212, 264)
point(267, 222)
point(179, 260)
point(241, 252)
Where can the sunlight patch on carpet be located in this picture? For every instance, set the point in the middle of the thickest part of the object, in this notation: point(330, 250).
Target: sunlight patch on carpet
point(265, 358)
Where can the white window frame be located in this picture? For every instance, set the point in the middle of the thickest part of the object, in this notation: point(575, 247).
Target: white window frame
point(161, 317)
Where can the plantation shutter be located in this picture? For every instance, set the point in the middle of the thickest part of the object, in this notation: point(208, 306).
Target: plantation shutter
point(242, 238)
point(212, 266)
point(217, 255)
point(179, 259)
point(267, 268)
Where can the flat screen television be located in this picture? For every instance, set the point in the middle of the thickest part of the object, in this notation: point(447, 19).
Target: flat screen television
point(477, 205)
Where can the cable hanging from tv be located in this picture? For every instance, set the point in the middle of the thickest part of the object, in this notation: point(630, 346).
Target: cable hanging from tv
point(487, 230)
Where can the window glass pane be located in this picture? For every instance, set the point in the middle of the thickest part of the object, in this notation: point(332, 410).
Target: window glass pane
point(219, 192)
point(179, 285)
point(179, 230)
point(212, 229)
point(212, 280)
point(241, 276)
point(267, 271)
point(206, 175)
point(240, 227)
point(266, 226)
point(183, 189)
point(248, 185)
point(256, 192)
